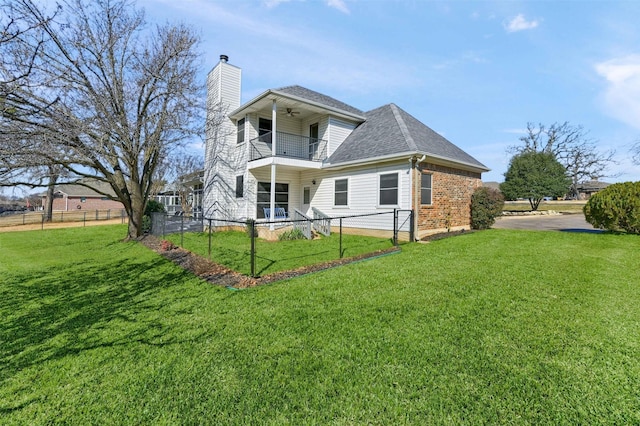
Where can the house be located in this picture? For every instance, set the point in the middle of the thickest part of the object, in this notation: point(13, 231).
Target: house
point(72, 197)
point(588, 188)
point(183, 195)
point(305, 152)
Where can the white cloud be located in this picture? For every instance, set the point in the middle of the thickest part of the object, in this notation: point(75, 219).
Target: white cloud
point(519, 23)
point(621, 97)
point(338, 4)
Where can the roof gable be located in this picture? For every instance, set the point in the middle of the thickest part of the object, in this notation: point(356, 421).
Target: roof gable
point(389, 131)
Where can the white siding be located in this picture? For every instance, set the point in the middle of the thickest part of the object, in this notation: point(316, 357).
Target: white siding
point(363, 192)
point(223, 158)
point(336, 132)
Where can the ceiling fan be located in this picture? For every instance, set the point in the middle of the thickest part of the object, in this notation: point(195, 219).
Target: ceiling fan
point(289, 112)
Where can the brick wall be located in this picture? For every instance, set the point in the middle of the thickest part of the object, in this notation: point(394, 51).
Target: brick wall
point(451, 198)
point(90, 203)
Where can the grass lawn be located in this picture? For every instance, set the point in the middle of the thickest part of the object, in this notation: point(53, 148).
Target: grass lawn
point(233, 250)
point(493, 327)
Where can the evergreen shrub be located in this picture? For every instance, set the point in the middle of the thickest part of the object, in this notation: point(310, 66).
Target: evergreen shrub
point(615, 208)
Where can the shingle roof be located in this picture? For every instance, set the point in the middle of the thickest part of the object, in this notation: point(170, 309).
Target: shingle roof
point(75, 190)
point(319, 98)
point(390, 130)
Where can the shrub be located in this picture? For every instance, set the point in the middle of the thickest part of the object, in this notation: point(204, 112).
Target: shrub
point(153, 206)
point(615, 208)
point(292, 234)
point(486, 205)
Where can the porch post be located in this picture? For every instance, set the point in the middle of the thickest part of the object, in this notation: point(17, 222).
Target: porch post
point(272, 196)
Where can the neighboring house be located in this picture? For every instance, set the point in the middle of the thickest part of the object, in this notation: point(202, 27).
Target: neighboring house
point(184, 195)
point(590, 187)
point(70, 197)
point(303, 151)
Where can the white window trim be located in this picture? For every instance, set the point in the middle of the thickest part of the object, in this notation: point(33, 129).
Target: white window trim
point(388, 206)
point(430, 193)
point(333, 194)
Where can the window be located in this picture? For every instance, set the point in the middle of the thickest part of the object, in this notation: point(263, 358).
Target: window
point(264, 129)
point(425, 189)
point(389, 189)
point(239, 186)
point(341, 192)
point(240, 130)
point(83, 199)
point(264, 197)
point(306, 195)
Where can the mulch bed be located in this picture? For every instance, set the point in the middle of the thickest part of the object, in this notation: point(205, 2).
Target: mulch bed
point(440, 236)
point(220, 275)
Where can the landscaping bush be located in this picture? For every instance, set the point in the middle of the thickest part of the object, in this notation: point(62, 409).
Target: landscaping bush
point(292, 234)
point(615, 208)
point(486, 205)
point(153, 206)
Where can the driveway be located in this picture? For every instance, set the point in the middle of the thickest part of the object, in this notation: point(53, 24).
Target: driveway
point(564, 222)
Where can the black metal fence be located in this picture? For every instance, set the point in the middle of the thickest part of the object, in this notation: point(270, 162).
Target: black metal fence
point(394, 226)
point(83, 216)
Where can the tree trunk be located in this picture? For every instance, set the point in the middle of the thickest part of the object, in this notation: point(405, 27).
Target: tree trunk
point(136, 212)
point(48, 208)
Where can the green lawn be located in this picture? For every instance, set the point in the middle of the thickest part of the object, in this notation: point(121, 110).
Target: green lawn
point(233, 250)
point(493, 327)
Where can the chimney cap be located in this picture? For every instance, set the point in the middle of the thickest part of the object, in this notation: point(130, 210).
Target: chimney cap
point(224, 58)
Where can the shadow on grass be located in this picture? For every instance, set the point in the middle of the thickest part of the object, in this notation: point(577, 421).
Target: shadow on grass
point(79, 307)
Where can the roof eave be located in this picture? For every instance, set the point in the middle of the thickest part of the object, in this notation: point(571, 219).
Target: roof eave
point(240, 112)
point(408, 155)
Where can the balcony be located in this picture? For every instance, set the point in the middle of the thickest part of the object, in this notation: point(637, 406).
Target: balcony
point(288, 145)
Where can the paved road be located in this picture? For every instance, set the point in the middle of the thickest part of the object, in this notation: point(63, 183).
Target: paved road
point(565, 222)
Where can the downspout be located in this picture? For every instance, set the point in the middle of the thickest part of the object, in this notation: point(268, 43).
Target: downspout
point(272, 196)
point(416, 191)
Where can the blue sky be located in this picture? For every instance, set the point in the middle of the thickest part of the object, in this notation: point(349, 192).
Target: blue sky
point(474, 71)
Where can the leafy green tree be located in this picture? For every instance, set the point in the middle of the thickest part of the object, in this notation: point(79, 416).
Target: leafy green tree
point(581, 156)
point(535, 175)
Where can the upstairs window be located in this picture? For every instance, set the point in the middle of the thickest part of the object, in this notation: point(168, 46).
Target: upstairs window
point(389, 189)
point(240, 130)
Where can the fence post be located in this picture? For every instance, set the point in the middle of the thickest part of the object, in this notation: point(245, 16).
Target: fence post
point(24, 215)
point(252, 230)
point(209, 238)
point(412, 230)
point(42, 226)
point(182, 231)
point(97, 214)
point(84, 218)
point(395, 227)
point(340, 238)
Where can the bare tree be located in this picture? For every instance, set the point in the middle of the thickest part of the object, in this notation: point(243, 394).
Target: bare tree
point(111, 94)
point(572, 147)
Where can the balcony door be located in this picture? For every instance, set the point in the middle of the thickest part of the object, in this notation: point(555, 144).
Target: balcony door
point(313, 141)
point(265, 126)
